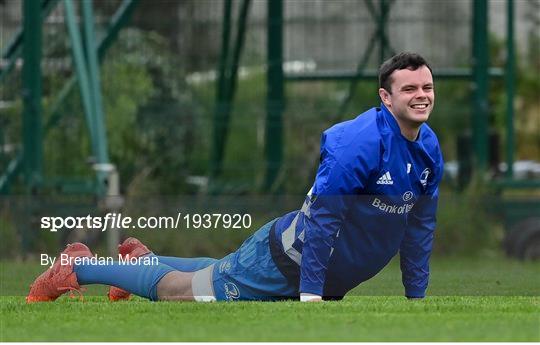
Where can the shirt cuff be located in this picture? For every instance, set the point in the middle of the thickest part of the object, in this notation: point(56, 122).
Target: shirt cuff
point(415, 292)
point(314, 289)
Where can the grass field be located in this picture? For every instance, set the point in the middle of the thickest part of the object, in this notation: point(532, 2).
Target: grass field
point(491, 299)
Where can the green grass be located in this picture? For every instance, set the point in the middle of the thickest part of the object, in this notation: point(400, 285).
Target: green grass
point(491, 299)
point(355, 319)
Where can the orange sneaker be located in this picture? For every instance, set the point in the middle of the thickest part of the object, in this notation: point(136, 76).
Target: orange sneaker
point(58, 279)
point(130, 248)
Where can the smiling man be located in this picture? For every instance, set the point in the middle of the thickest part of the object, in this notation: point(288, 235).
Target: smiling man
point(407, 92)
point(374, 196)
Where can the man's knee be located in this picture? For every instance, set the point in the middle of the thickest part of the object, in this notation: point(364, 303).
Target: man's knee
point(175, 286)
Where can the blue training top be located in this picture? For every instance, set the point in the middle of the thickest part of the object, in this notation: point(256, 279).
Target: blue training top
point(375, 194)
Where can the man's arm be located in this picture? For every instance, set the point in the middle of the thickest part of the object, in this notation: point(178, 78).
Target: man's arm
point(326, 213)
point(417, 243)
point(416, 246)
point(331, 195)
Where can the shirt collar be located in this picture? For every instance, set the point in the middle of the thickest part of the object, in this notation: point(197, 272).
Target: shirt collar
point(390, 119)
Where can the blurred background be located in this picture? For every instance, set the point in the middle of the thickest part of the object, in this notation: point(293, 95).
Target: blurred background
point(149, 107)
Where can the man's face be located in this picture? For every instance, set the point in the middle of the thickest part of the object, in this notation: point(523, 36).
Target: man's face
point(412, 97)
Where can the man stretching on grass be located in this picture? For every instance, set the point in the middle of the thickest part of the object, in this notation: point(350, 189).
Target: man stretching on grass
point(375, 194)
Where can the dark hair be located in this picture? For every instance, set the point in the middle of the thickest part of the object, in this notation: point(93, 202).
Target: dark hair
point(403, 60)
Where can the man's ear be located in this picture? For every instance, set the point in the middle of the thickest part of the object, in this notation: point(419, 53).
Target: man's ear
point(385, 97)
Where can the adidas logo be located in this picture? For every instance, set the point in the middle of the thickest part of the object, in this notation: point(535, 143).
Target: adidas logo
point(385, 179)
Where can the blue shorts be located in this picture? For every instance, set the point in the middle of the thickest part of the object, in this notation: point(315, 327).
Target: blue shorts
point(248, 274)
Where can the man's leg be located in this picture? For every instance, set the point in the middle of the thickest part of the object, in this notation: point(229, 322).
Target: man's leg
point(176, 286)
point(132, 247)
point(155, 282)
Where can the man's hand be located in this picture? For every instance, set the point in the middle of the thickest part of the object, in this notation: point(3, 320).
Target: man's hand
point(309, 297)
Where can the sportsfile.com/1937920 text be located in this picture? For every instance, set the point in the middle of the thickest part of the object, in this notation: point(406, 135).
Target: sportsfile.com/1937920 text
point(118, 221)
